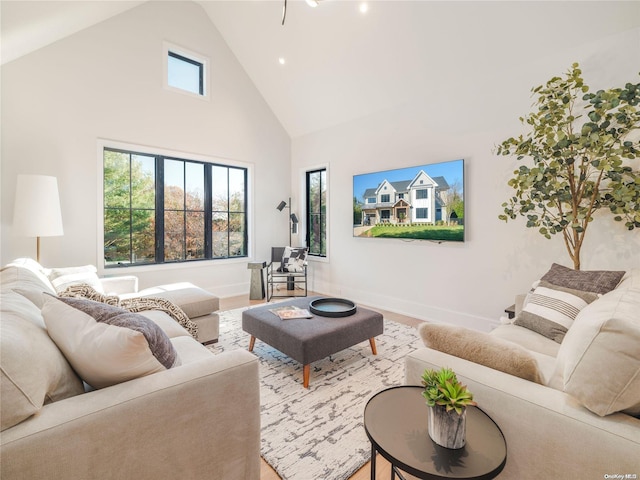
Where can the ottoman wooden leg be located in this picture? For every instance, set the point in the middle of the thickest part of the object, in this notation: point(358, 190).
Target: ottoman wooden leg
point(372, 342)
point(305, 375)
point(252, 342)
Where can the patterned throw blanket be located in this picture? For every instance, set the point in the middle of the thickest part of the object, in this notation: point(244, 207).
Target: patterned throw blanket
point(134, 305)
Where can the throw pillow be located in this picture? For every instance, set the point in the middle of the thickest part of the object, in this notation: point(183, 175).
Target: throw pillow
point(61, 278)
point(293, 259)
point(597, 281)
point(550, 310)
point(107, 345)
point(33, 371)
point(599, 359)
point(482, 348)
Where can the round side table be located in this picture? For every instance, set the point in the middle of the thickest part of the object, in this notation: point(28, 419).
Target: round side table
point(395, 420)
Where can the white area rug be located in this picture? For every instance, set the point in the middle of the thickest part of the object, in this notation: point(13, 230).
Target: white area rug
point(317, 433)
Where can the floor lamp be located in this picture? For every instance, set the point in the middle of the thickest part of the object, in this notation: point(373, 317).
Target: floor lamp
point(36, 211)
point(293, 220)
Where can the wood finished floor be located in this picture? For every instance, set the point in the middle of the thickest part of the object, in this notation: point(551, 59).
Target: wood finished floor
point(383, 468)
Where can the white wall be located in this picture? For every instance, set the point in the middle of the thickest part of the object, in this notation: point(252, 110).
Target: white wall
point(468, 283)
point(106, 83)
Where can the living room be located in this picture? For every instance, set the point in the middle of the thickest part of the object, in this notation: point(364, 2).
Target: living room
point(454, 89)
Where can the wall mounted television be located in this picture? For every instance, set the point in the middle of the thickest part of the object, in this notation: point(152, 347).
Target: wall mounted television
point(425, 202)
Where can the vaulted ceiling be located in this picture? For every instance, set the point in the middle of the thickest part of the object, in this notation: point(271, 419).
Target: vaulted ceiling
point(341, 63)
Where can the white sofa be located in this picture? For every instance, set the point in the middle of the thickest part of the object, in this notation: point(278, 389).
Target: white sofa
point(550, 427)
point(199, 305)
point(199, 419)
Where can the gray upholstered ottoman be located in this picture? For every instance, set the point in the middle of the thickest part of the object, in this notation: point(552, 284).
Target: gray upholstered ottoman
point(307, 340)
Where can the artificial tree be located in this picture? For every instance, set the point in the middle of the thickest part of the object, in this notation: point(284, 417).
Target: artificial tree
point(580, 146)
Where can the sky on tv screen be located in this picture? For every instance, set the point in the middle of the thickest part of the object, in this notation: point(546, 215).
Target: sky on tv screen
point(452, 171)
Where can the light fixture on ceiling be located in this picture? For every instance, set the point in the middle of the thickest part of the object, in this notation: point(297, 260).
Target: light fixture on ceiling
point(364, 7)
point(311, 3)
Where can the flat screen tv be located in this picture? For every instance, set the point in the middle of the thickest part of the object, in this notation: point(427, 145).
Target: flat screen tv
point(415, 203)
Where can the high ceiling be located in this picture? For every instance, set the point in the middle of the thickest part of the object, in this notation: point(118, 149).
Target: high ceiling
point(340, 63)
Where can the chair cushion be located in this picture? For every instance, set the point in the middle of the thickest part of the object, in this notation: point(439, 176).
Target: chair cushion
point(194, 301)
point(33, 370)
point(599, 359)
point(107, 345)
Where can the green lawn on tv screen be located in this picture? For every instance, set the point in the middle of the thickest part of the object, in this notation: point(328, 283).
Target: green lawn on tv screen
point(453, 233)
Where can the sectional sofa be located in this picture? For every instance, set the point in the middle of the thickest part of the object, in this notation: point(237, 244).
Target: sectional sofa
point(84, 406)
point(569, 407)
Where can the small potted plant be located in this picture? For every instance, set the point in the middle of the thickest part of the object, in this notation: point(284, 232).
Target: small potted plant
point(448, 400)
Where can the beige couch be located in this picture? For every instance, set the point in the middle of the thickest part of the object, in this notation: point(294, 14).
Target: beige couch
point(577, 415)
point(199, 419)
point(199, 305)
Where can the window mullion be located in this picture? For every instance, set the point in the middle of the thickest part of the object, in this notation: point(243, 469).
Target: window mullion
point(208, 211)
point(159, 253)
point(130, 209)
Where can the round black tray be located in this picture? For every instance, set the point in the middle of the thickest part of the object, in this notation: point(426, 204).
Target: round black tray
point(332, 307)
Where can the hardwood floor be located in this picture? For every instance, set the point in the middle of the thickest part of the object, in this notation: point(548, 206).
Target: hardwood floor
point(383, 468)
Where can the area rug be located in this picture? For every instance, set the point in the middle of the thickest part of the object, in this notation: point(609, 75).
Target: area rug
point(318, 433)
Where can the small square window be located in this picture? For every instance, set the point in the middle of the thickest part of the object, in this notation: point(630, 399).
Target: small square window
point(185, 71)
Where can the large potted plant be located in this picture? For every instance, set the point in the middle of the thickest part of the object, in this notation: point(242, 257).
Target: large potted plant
point(578, 151)
point(448, 400)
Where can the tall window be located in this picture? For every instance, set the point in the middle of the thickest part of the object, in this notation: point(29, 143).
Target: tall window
point(160, 209)
point(317, 212)
point(422, 213)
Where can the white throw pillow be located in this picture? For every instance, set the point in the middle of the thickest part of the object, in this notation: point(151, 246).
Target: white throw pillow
point(61, 278)
point(107, 345)
point(599, 359)
point(33, 371)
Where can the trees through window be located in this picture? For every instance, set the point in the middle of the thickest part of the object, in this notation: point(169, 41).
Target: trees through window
point(160, 209)
point(317, 212)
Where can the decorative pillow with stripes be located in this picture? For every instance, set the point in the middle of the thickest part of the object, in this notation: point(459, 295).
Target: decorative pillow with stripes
point(550, 309)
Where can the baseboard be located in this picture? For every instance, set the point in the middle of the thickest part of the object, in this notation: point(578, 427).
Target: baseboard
point(419, 310)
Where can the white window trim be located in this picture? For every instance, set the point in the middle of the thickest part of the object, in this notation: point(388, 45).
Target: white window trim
point(166, 47)
point(104, 143)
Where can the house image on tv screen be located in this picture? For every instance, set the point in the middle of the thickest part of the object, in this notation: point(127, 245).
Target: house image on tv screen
point(417, 200)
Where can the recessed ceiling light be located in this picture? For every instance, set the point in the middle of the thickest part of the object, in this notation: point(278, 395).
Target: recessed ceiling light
point(364, 7)
point(312, 3)
point(282, 61)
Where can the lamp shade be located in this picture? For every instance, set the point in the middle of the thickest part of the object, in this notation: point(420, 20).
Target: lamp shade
point(37, 207)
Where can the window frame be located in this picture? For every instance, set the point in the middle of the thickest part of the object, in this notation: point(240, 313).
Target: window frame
point(324, 241)
point(184, 157)
point(175, 51)
point(426, 213)
point(420, 192)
